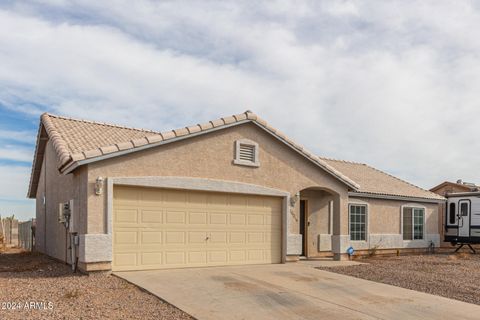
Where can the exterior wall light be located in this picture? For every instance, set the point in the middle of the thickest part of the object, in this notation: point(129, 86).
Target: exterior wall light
point(294, 199)
point(99, 186)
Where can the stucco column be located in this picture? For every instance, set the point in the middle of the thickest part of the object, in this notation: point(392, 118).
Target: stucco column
point(340, 238)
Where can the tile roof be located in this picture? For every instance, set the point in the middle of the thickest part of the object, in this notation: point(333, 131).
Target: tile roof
point(77, 141)
point(376, 182)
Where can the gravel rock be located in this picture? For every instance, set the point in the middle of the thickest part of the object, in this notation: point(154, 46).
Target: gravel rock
point(455, 276)
point(34, 286)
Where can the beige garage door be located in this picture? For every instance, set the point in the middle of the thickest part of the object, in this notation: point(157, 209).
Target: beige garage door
point(162, 228)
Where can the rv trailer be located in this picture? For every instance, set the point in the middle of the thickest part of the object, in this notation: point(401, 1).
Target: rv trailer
point(462, 219)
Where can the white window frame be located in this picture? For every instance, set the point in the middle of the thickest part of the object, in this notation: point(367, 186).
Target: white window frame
point(367, 222)
point(414, 206)
point(241, 162)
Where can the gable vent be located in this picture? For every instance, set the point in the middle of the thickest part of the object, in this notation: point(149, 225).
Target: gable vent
point(247, 152)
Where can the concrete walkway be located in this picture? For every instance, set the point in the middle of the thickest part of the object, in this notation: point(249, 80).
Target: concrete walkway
point(291, 291)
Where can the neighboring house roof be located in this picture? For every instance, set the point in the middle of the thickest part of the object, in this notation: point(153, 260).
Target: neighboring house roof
point(78, 142)
point(456, 186)
point(375, 182)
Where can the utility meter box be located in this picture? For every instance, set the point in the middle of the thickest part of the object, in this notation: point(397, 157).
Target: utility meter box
point(64, 212)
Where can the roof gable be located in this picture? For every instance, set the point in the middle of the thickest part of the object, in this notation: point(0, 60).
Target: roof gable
point(78, 142)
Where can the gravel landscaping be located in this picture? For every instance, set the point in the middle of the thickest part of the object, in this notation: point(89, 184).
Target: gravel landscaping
point(33, 286)
point(455, 276)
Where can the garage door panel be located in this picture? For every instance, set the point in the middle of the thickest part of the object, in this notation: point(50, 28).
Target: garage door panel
point(175, 217)
point(255, 237)
point(126, 196)
point(174, 237)
point(218, 218)
point(255, 255)
point(175, 258)
point(175, 198)
point(125, 259)
point(217, 200)
point(237, 237)
point(149, 197)
point(197, 237)
point(237, 255)
point(238, 219)
point(197, 200)
point(217, 256)
point(255, 219)
point(126, 237)
point(151, 258)
point(200, 218)
point(238, 202)
point(126, 216)
point(151, 237)
point(197, 257)
point(158, 228)
point(151, 216)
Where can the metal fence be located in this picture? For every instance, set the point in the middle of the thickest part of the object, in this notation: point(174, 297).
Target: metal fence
point(9, 231)
point(26, 238)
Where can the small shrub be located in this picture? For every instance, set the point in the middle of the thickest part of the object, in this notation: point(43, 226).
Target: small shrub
point(373, 251)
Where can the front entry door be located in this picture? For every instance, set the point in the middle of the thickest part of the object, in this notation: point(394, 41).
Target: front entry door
point(303, 226)
point(464, 218)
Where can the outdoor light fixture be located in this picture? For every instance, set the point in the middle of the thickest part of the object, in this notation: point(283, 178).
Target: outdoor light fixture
point(294, 199)
point(99, 186)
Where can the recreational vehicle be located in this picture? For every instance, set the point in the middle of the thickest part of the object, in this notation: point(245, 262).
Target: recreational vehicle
point(462, 225)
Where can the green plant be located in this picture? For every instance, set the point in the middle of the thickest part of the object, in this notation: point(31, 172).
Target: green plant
point(372, 251)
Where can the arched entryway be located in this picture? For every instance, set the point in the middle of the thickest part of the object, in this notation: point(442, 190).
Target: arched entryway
point(318, 220)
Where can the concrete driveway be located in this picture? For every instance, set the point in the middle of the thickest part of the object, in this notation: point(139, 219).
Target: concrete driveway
point(291, 291)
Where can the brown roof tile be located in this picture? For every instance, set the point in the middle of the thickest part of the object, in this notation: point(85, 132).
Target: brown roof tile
point(374, 181)
point(194, 129)
point(181, 132)
point(168, 135)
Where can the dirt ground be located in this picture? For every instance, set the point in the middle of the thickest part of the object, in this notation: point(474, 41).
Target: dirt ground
point(33, 286)
point(455, 276)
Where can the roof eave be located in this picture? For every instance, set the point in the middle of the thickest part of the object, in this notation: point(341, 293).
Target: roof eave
point(37, 156)
point(395, 197)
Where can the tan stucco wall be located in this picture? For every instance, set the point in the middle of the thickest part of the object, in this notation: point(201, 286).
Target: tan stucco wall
point(50, 234)
point(211, 156)
point(384, 216)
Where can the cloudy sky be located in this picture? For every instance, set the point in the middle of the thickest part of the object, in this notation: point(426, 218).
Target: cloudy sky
point(394, 84)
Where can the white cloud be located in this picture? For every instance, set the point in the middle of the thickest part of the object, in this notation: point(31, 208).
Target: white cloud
point(23, 210)
point(387, 83)
point(16, 153)
point(16, 182)
point(20, 136)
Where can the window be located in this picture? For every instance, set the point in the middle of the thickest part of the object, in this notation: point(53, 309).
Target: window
point(464, 209)
point(413, 221)
point(358, 222)
point(246, 153)
point(452, 213)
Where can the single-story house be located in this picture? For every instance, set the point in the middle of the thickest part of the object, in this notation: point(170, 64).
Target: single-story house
point(230, 191)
